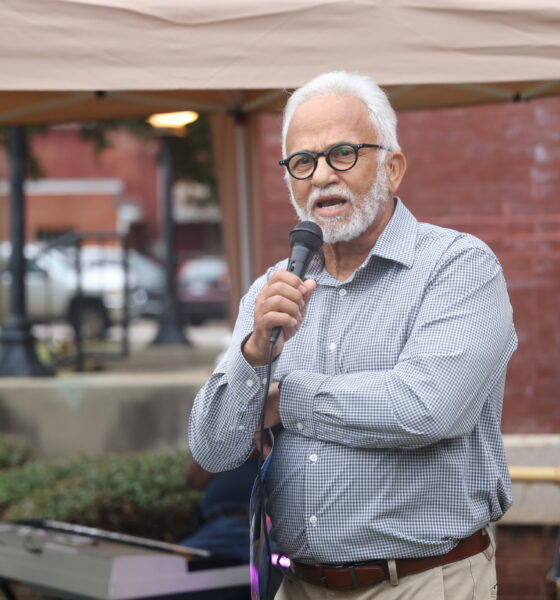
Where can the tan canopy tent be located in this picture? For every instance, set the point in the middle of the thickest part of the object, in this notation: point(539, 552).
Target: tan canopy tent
point(64, 60)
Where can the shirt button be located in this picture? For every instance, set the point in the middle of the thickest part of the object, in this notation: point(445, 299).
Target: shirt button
point(313, 458)
point(342, 292)
point(241, 427)
point(313, 520)
point(332, 346)
point(249, 383)
point(299, 426)
point(264, 380)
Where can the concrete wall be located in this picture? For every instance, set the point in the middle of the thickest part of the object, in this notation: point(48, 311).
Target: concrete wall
point(101, 412)
point(535, 503)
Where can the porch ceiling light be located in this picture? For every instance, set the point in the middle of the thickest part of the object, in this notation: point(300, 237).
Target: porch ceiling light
point(173, 120)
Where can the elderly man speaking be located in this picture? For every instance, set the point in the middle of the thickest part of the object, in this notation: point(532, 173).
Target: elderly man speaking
point(388, 374)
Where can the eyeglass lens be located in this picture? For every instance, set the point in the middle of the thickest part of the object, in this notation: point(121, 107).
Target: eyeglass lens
point(341, 157)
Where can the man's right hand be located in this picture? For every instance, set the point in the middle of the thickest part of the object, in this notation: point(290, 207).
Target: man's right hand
point(282, 302)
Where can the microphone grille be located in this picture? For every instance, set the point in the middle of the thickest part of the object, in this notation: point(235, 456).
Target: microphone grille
point(307, 234)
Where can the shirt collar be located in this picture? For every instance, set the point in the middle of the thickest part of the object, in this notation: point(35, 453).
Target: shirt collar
point(397, 241)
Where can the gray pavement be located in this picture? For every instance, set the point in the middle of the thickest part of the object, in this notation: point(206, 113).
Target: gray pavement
point(207, 342)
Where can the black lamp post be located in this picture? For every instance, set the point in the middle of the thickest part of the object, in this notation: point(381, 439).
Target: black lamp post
point(170, 322)
point(17, 346)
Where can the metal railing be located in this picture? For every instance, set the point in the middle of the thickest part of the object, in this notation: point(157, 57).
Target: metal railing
point(535, 474)
point(87, 345)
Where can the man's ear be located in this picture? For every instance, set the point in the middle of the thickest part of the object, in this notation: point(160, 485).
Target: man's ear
point(396, 167)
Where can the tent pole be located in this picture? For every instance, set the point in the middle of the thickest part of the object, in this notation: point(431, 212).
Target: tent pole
point(243, 202)
point(17, 345)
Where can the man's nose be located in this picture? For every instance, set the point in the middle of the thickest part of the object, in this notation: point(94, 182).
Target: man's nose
point(324, 174)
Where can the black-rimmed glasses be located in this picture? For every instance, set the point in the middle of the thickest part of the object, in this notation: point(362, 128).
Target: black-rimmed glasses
point(341, 157)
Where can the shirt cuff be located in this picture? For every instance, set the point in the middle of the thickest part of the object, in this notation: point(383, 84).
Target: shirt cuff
point(247, 381)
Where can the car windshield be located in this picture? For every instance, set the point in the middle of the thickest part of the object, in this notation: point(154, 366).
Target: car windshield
point(54, 258)
point(204, 269)
point(142, 268)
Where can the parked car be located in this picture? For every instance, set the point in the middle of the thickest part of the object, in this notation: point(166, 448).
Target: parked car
point(52, 286)
point(102, 268)
point(203, 288)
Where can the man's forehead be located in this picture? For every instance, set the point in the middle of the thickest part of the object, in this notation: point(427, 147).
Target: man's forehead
point(327, 104)
point(328, 117)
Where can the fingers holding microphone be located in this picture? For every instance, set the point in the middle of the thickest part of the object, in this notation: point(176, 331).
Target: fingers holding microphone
point(281, 303)
point(280, 306)
point(306, 288)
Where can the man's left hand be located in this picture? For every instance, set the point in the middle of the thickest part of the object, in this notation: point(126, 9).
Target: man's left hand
point(271, 416)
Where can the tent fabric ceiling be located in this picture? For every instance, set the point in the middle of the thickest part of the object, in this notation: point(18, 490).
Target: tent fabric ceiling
point(99, 59)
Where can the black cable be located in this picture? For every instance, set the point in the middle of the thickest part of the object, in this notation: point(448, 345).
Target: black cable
point(260, 462)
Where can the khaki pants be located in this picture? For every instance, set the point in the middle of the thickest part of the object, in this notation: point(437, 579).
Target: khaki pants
point(473, 578)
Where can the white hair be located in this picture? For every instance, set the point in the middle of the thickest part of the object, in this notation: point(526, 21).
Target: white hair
point(342, 83)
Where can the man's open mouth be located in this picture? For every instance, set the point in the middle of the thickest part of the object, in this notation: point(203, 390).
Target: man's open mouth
point(330, 203)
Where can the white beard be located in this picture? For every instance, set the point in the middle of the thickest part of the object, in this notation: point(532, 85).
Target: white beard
point(335, 229)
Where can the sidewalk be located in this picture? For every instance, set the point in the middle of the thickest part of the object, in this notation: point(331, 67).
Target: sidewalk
point(206, 343)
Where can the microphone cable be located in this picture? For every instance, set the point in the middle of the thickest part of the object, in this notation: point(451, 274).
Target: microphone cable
point(261, 479)
point(306, 238)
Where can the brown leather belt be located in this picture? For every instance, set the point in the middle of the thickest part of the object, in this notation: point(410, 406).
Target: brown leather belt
point(350, 577)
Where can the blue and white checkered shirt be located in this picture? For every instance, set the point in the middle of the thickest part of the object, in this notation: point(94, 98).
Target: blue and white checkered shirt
point(391, 401)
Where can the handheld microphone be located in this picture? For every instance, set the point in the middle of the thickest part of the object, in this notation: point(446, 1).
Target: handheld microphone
point(305, 240)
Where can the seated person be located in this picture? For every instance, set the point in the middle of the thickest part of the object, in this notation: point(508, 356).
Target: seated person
point(224, 509)
point(225, 528)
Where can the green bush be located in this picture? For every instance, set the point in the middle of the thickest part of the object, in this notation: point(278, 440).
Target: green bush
point(18, 483)
point(140, 494)
point(14, 451)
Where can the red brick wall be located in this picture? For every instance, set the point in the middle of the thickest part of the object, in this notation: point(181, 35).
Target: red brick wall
point(65, 213)
point(277, 216)
point(524, 561)
point(63, 154)
point(492, 171)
